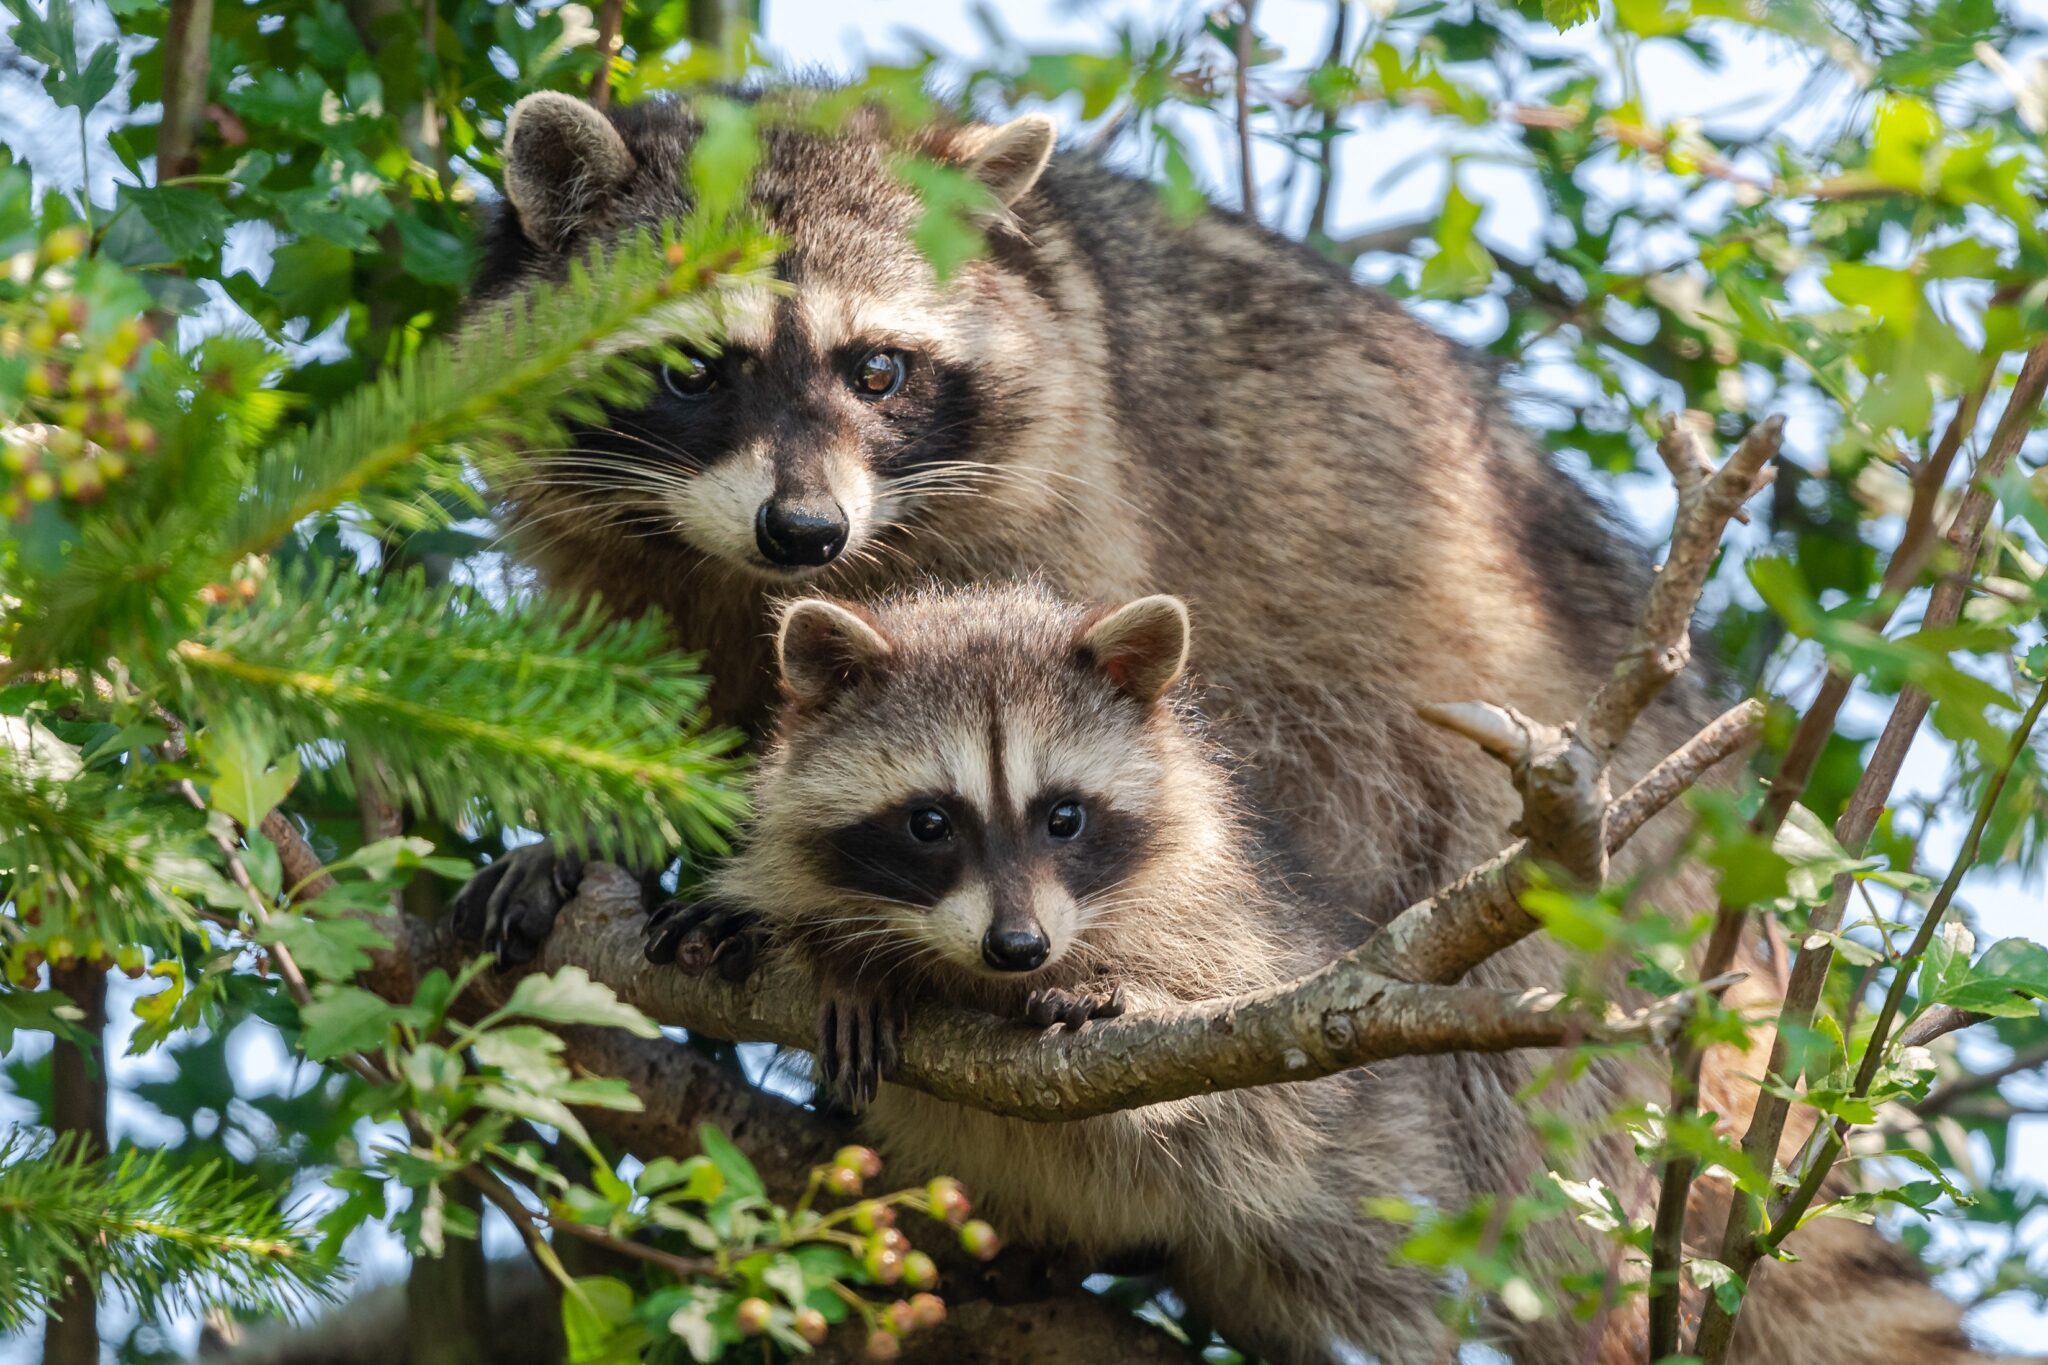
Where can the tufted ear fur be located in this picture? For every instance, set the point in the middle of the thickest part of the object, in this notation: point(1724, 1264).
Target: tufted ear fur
point(1140, 647)
point(1009, 157)
point(823, 647)
point(563, 159)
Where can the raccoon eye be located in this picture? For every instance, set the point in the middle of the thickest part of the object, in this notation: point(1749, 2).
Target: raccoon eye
point(879, 375)
point(690, 380)
point(929, 825)
point(1066, 820)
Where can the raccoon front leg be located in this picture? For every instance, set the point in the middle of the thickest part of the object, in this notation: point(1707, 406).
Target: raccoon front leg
point(857, 1033)
point(511, 903)
point(698, 936)
point(1053, 1005)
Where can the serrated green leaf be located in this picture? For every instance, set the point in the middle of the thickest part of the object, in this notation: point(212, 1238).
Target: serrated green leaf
point(571, 997)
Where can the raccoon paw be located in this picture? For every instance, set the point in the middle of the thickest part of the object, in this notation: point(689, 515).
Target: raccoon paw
point(512, 903)
point(1052, 1005)
point(857, 1045)
point(702, 935)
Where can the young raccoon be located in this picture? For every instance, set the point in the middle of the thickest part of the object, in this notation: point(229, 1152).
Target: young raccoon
point(990, 798)
point(993, 799)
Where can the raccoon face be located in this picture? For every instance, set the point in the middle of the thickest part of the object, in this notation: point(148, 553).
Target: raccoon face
point(973, 786)
point(839, 407)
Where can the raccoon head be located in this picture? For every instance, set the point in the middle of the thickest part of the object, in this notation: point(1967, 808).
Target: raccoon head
point(835, 410)
point(966, 785)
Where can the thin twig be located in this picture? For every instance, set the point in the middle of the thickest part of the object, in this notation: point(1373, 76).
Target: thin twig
point(1241, 77)
point(1937, 1021)
point(1873, 789)
point(1802, 753)
point(1326, 153)
point(609, 20)
point(1977, 1082)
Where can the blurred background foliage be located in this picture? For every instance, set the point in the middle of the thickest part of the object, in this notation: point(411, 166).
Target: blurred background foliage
point(242, 475)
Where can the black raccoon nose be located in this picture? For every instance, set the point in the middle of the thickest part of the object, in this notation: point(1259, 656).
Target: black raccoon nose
point(1014, 950)
point(793, 534)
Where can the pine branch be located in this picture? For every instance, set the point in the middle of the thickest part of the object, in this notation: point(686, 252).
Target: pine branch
point(535, 717)
point(504, 385)
point(162, 1235)
point(402, 454)
point(84, 856)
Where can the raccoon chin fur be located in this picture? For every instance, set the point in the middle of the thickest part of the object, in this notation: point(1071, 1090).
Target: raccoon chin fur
point(1126, 404)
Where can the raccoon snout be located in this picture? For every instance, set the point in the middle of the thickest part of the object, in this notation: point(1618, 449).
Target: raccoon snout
point(800, 535)
point(1015, 950)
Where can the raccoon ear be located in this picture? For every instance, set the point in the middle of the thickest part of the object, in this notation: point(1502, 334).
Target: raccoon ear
point(823, 647)
point(1010, 157)
point(562, 160)
point(1141, 647)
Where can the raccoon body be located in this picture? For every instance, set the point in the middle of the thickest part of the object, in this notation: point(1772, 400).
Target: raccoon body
point(1120, 404)
point(986, 798)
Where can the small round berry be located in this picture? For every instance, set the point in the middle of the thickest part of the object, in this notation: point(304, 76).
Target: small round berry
point(38, 486)
point(752, 1316)
point(920, 1271)
point(902, 1318)
point(980, 1240)
point(18, 454)
point(41, 335)
point(67, 312)
point(892, 1240)
point(948, 1199)
point(929, 1309)
point(42, 381)
point(866, 1160)
point(883, 1266)
point(872, 1215)
point(883, 1345)
point(843, 1180)
point(65, 244)
point(141, 437)
point(810, 1324)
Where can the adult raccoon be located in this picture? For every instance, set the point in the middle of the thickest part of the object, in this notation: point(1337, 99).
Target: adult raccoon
point(1121, 403)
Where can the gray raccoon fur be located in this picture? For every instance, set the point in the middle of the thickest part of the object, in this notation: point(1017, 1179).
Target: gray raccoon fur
point(1125, 404)
point(992, 705)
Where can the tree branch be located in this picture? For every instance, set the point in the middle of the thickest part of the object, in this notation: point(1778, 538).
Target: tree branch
point(185, 61)
point(1739, 1249)
point(1788, 784)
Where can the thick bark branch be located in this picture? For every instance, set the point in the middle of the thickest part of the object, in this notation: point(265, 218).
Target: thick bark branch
point(1340, 1017)
point(1479, 914)
point(1561, 770)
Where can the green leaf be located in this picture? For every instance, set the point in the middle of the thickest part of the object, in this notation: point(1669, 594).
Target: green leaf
point(191, 222)
point(1569, 14)
point(347, 1019)
point(524, 1054)
point(332, 949)
point(401, 853)
point(432, 255)
point(40, 1011)
point(593, 1312)
point(785, 1275)
point(696, 1179)
point(571, 997)
point(1461, 264)
point(732, 1163)
point(1720, 1278)
point(246, 784)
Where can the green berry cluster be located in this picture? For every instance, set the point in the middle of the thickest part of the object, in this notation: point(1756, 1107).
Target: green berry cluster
point(73, 434)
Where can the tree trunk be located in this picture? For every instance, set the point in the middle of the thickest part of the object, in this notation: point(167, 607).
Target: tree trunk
point(71, 1335)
